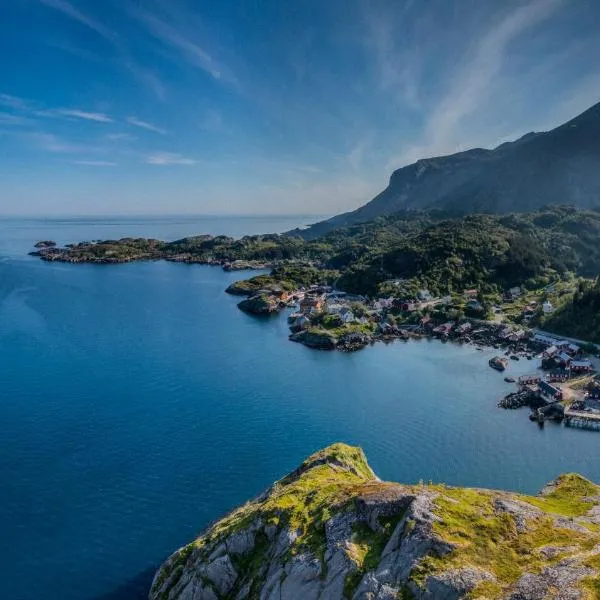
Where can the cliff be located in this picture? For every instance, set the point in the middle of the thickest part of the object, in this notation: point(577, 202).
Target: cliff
point(331, 529)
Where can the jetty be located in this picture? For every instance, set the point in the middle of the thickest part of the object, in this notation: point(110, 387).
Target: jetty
point(582, 419)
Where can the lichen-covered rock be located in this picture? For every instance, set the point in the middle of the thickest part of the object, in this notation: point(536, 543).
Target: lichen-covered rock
point(332, 530)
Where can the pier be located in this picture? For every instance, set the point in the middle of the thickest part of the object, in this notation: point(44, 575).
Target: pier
point(582, 419)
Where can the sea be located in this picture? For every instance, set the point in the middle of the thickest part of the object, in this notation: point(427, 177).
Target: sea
point(138, 405)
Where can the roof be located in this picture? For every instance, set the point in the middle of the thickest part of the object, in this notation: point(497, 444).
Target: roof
point(581, 364)
point(548, 388)
point(564, 357)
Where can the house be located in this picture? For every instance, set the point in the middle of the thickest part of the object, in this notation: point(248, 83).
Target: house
point(573, 349)
point(594, 392)
point(547, 307)
point(563, 358)
point(514, 292)
point(334, 307)
point(545, 340)
point(382, 303)
point(581, 366)
point(311, 303)
point(470, 294)
point(425, 320)
point(347, 315)
point(424, 295)
point(550, 352)
point(550, 392)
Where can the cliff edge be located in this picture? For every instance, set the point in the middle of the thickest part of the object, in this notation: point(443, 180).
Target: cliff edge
point(332, 530)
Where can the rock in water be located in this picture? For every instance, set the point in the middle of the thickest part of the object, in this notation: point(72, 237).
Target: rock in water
point(261, 304)
point(332, 530)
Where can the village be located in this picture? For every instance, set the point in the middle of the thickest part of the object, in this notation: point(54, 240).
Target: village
point(563, 385)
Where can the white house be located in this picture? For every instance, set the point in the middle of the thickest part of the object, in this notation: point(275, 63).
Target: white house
point(547, 307)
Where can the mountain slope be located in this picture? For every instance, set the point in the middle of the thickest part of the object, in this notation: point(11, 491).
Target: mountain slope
point(332, 530)
point(556, 167)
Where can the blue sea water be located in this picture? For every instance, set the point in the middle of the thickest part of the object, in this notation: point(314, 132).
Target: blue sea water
point(138, 404)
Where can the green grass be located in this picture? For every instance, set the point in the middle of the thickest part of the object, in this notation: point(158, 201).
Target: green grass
point(570, 498)
point(487, 539)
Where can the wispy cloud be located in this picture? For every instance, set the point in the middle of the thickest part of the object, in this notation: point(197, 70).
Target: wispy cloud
point(168, 158)
point(145, 125)
point(10, 119)
point(14, 102)
point(195, 54)
point(95, 163)
point(71, 11)
point(396, 67)
point(52, 143)
point(471, 83)
point(81, 114)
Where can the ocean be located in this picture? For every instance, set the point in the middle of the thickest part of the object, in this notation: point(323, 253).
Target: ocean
point(138, 404)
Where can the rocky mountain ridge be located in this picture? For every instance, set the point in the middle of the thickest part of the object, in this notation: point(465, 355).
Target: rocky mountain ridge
point(539, 169)
point(332, 530)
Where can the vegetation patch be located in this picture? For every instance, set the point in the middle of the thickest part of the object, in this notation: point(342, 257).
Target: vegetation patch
point(489, 539)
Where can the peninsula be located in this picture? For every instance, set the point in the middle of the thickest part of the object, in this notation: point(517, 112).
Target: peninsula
point(331, 529)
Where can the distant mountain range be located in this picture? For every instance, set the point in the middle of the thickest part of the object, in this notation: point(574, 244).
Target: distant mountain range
point(561, 166)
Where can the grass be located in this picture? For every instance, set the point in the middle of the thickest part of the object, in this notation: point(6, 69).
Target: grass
point(570, 498)
point(487, 539)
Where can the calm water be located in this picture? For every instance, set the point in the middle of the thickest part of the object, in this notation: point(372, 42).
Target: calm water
point(138, 404)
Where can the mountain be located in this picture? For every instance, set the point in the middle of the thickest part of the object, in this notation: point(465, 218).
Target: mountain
point(332, 530)
point(539, 169)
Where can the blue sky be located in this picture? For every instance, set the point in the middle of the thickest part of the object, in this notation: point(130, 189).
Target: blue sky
point(264, 106)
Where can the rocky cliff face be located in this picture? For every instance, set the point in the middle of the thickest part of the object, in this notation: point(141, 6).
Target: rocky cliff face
point(333, 530)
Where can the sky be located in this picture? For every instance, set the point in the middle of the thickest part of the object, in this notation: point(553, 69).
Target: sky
point(270, 107)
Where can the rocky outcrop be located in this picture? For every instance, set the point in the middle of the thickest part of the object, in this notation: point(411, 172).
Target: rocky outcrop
point(320, 340)
point(332, 530)
point(45, 244)
point(261, 304)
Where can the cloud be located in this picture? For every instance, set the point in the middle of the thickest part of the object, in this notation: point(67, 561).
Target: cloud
point(9, 119)
point(95, 163)
point(74, 13)
point(14, 102)
point(145, 125)
point(55, 144)
point(81, 114)
point(396, 67)
point(193, 53)
point(471, 84)
point(168, 158)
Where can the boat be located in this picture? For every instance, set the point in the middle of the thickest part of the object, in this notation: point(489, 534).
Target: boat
point(498, 363)
point(509, 379)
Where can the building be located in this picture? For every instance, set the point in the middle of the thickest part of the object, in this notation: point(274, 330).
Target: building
point(545, 340)
point(312, 303)
point(470, 294)
point(424, 295)
point(581, 366)
point(550, 392)
point(547, 307)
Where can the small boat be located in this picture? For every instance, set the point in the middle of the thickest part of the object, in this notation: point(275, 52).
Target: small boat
point(498, 363)
point(509, 379)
